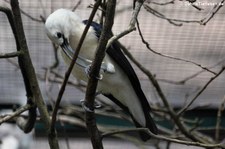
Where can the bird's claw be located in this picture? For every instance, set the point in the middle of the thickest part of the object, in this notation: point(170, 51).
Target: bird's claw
point(97, 105)
point(87, 71)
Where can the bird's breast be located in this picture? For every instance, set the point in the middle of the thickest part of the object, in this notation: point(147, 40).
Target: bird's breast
point(79, 71)
point(89, 45)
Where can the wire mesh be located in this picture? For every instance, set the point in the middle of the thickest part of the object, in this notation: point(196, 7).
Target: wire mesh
point(202, 44)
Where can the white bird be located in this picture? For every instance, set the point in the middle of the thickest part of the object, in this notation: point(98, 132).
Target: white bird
point(118, 80)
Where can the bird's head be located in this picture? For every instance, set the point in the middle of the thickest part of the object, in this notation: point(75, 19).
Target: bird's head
point(60, 25)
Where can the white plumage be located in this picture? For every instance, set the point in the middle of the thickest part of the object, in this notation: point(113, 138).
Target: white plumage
point(65, 28)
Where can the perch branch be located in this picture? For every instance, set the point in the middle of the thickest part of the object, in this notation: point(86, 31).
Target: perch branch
point(68, 72)
point(94, 71)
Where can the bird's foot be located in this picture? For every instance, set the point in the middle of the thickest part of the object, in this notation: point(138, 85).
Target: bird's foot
point(97, 105)
point(87, 71)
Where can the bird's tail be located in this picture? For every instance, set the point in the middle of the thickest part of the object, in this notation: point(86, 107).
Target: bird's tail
point(150, 124)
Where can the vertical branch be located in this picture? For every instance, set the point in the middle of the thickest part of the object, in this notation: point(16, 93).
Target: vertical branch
point(94, 71)
point(218, 121)
point(68, 72)
point(31, 84)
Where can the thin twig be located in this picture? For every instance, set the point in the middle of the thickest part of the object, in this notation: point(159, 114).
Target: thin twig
point(27, 14)
point(10, 55)
point(162, 16)
point(182, 127)
point(168, 56)
point(131, 27)
point(163, 3)
point(15, 114)
point(76, 6)
point(183, 81)
point(209, 145)
point(178, 22)
point(215, 9)
point(200, 92)
point(31, 17)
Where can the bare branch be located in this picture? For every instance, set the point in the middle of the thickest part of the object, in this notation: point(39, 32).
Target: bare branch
point(10, 55)
point(183, 81)
point(9, 15)
point(171, 112)
point(162, 16)
point(94, 71)
point(27, 14)
point(178, 22)
point(163, 3)
point(15, 114)
point(167, 56)
point(131, 27)
point(68, 72)
point(31, 84)
point(200, 92)
point(215, 9)
point(75, 7)
point(209, 145)
point(31, 17)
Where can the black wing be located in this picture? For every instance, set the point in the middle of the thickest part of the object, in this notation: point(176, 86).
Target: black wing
point(117, 55)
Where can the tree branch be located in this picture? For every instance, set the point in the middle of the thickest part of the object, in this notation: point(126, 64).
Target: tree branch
point(15, 114)
point(9, 15)
point(205, 145)
point(68, 72)
point(199, 93)
point(168, 56)
point(94, 71)
point(171, 111)
point(178, 22)
point(215, 9)
point(31, 84)
point(133, 20)
point(10, 55)
point(183, 81)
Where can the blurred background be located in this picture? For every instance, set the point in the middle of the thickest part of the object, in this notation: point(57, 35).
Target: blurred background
point(189, 43)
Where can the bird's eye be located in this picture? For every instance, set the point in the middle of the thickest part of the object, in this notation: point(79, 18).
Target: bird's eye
point(59, 35)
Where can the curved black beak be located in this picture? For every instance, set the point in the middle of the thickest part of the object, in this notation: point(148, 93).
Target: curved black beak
point(67, 48)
